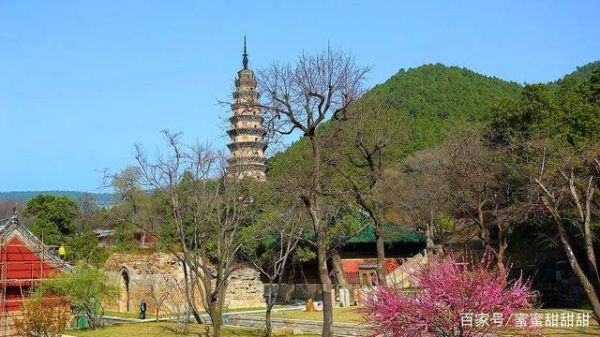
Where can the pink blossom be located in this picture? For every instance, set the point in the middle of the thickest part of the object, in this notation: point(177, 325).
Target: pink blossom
point(446, 289)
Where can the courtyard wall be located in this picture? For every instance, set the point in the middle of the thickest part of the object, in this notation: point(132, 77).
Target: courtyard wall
point(159, 276)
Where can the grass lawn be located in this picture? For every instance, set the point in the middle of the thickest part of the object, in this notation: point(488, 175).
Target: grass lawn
point(152, 315)
point(253, 309)
point(345, 315)
point(342, 315)
point(124, 314)
point(153, 329)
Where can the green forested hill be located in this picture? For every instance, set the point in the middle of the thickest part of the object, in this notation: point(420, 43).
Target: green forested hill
point(584, 72)
point(432, 100)
point(425, 104)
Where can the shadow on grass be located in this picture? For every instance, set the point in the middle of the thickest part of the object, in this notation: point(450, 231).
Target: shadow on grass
point(207, 331)
point(173, 330)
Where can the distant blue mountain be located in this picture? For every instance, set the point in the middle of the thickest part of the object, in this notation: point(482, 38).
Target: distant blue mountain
point(102, 199)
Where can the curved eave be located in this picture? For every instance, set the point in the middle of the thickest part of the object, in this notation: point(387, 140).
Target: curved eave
point(247, 160)
point(246, 145)
point(253, 94)
point(244, 106)
point(239, 168)
point(246, 131)
point(247, 118)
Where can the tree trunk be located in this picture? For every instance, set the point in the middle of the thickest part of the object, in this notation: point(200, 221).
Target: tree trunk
point(215, 311)
point(584, 212)
point(589, 235)
point(290, 288)
point(188, 282)
point(270, 303)
point(189, 294)
point(380, 247)
point(591, 257)
point(157, 313)
point(268, 327)
point(326, 286)
point(313, 203)
point(429, 238)
point(336, 261)
point(588, 287)
point(583, 279)
point(502, 246)
point(217, 321)
point(484, 232)
point(218, 299)
point(91, 319)
point(486, 238)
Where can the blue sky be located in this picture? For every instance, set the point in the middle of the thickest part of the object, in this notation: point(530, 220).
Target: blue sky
point(82, 81)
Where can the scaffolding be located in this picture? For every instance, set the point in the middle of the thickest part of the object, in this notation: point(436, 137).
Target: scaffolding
point(24, 264)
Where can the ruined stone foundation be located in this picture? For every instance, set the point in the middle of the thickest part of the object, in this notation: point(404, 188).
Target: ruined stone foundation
point(157, 279)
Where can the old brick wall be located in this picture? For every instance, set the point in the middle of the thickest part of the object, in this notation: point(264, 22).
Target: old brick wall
point(245, 289)
point(149, 277)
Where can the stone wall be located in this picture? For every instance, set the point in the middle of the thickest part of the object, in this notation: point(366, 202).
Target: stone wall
point(136, 276)
point(159, 276)
point(245, 289)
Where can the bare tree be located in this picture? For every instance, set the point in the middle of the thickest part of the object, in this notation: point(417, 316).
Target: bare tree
point(301, 97)
point(357, 155)
point(422, 192)
point(176, 304)
point(569, 194)
point(87, 207)
point(208, 212)
point(135, 204)
point(484, 188)
point(159, 286)
point(9, 207)
point(279, 234)
point(127, 185)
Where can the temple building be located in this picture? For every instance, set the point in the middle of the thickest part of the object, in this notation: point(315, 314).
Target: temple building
point(247, 144)
point(25, 262)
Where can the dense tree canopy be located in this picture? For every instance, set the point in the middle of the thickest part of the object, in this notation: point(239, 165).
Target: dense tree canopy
point(54, 217)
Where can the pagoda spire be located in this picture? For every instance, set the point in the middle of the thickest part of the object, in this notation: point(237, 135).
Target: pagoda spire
point(245, 55)
point(247, 133)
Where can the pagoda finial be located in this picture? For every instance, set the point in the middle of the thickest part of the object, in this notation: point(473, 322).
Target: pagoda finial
point(245, 55)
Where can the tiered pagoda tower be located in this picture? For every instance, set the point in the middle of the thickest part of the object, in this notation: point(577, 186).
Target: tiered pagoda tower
point(247, 144)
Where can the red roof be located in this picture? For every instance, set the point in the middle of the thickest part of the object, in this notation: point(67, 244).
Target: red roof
point(353, 265)
point(20, 265)
point(24, 261)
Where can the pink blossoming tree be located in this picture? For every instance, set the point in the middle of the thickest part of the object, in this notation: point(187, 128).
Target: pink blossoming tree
point(453, 299)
